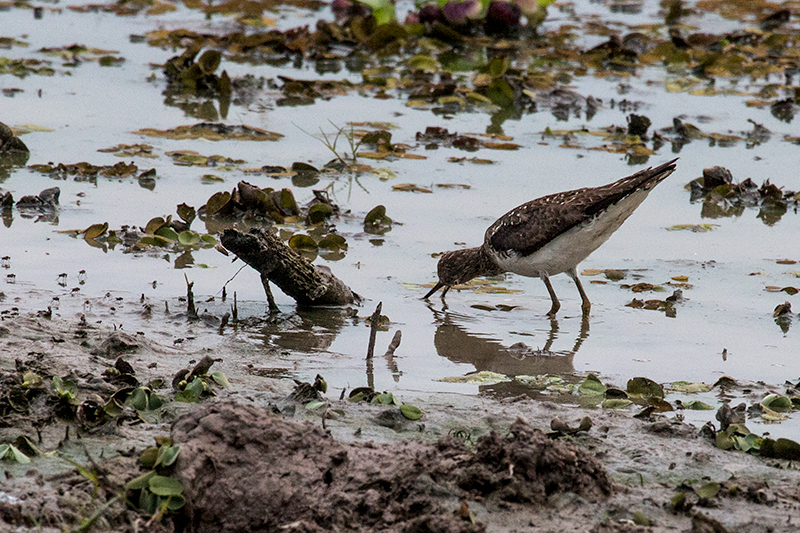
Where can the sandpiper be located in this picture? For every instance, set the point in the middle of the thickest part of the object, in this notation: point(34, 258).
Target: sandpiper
point(551, 234)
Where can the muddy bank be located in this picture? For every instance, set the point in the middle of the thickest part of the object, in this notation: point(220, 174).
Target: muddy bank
point(245, 469)
point(251, 457)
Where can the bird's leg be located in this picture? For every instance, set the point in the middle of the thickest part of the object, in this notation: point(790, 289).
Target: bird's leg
point(586, 305)
point(556, 304)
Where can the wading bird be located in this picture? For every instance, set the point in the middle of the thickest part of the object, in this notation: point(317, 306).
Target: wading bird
point(551, 234)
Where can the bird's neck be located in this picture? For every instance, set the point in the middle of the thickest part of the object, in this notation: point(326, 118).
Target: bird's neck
point(481, 262)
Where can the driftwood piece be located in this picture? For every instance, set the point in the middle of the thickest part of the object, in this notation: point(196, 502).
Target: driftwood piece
point(292, 273)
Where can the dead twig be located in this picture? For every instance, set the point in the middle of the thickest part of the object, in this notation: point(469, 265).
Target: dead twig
point(373, 329)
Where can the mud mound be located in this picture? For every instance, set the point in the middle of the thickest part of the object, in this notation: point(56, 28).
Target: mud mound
point(525, 466)
point(245, 469)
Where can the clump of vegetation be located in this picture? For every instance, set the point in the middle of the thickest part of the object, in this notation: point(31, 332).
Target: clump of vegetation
point(155, 492)
point(494, 17)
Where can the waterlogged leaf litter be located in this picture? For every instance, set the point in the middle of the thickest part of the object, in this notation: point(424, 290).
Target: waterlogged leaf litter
point(696, 228)
point(690, 388)
point(709, 490)
point(410, 187)
point(483, 377)
point(213, 132)
point(772, 416)
point(131, 150)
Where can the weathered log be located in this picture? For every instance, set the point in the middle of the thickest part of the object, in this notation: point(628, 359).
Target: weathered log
point(276, 262)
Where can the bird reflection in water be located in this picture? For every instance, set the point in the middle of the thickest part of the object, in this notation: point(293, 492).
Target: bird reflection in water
point(454, 342)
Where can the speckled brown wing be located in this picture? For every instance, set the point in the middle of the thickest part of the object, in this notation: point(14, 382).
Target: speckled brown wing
point(528, 227)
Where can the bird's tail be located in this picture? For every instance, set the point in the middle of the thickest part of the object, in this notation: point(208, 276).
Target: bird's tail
point(644, 179)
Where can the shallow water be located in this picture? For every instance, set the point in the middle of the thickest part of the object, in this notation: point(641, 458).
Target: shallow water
point(727, 309)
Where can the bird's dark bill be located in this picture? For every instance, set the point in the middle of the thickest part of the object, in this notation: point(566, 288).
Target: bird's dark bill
point(435, 288)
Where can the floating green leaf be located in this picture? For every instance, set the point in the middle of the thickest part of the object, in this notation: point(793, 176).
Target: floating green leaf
point(333, 242)
point(217, 203)
point(697, 405)
point(31, 380)
point(484, 377)
point(188, 238)
point(285, 199)
point(167, 233)
point(382, 10)
point(423, 62)
point(411, 412)
point(187, 213)
point(778, 403)
point(94, 231)
point(377, 216)
point(645, 388)
point(498, 66)
point(319, 213)
point(303, 242)
point(697, 228)
point(220, 379)
point(616, 403)
point(591, 385)
point(153, 240)
point(385, 398)
point(153, 225)
point(209, 61)
point(685, 386)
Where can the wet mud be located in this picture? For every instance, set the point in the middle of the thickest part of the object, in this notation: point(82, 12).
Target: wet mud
point(252, 458)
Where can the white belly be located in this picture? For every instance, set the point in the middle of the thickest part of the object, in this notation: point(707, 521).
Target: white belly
point(573, 246)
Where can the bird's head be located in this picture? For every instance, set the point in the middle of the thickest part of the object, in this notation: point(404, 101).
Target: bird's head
point(460, 266)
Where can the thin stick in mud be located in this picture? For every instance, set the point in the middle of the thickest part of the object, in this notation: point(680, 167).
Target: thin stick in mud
point(373, 329)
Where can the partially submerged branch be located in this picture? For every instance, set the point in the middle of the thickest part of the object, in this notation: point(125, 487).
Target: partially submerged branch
point(294, 275)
